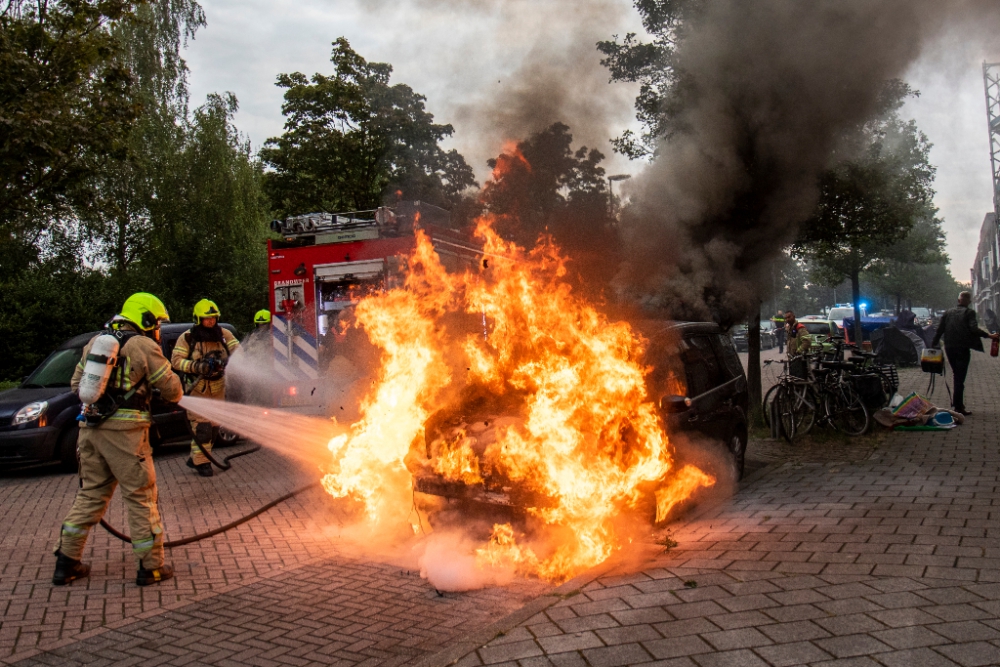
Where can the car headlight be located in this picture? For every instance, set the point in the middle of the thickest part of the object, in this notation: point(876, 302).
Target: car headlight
point(31, 412)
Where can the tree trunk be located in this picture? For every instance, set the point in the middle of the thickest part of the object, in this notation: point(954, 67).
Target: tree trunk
point(753, 367)
point(899, 304)
point(856, 296)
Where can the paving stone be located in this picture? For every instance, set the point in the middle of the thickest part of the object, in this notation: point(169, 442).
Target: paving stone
point(614, 656)
point(910, 637)
point(972, 654)
point(736, 639)
point(919, 657)
point(677, 646)
point(852, 645)
point(730, 659)
point(797, 653)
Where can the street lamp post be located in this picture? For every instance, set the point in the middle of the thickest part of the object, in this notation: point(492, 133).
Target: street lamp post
point(611, 190)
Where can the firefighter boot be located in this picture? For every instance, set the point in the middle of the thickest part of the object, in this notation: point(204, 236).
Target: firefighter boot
point(68, 570)
point(146, 577)
point(204, 469)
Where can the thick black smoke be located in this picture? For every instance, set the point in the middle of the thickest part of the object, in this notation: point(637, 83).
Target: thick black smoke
point(551, 70)
point(777, 83)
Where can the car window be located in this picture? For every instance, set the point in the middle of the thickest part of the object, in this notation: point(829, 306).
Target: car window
point(703, 370)
point(57, 369)
point(169, 343)
point(667, 376)
point(818, 327)
point(726, 351)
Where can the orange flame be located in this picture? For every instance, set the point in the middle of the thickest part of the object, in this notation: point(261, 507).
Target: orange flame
point(567, 420)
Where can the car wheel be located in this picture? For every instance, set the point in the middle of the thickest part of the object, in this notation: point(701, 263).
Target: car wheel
point(67, 449)
point(738, 448)
point(225, 437)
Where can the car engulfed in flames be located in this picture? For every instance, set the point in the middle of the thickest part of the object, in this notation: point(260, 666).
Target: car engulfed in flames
point(500, 385)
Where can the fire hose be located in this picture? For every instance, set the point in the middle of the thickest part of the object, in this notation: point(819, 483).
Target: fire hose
point(224, 465)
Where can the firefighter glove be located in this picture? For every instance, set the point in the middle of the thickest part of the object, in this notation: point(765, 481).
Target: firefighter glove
point(202, 367)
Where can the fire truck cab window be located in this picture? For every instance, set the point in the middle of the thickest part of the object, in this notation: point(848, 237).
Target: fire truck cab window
point(703, 370)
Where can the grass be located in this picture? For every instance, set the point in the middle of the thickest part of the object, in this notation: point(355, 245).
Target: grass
point(9, 384)
point(828, 439)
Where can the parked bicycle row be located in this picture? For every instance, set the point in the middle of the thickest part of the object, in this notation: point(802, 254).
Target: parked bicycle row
point(825, 389)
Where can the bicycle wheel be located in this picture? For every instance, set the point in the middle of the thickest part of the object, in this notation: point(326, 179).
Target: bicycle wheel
point(804, 408)
point(766, 404)
point(784, 411)
point(846, 410)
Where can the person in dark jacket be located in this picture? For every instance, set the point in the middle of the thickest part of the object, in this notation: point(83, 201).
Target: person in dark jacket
point(961, 334)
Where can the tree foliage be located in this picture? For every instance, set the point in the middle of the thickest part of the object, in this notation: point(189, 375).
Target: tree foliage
point(65, 100)
point(351, 140)
point(543, 186)
point(177, 208)
point(653, 65)
point(913, 271)
point(872, 197)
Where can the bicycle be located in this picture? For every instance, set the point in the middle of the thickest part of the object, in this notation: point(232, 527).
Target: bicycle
point(843, 407)
point(791, 402)
point(826, 396)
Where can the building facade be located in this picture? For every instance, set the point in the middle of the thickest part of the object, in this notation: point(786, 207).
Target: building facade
point(986, 270)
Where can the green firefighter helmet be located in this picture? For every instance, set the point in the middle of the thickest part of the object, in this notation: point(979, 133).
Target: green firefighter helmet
point(262, 317)
point(205, 308)
point(145, 311)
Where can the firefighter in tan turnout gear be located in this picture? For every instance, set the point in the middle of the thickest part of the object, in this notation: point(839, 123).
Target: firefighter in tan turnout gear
point(115, 380)
point(202, 354)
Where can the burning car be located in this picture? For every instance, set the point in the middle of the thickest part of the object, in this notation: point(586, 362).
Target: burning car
point(696, 376)
point(502, 386)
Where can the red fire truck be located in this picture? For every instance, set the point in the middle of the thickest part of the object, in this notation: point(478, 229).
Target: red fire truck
point(326, 262)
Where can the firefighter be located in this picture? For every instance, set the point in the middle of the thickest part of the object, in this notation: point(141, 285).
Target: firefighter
point(202, 353)
point(258, 344)
point(797, 335)
point(114, 445)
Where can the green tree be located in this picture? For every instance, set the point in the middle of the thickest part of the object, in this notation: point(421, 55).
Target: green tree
point(65, 99)
point(653, 64)
point(121, 225)
point(871, 198)
point(909, 272)
point(52, 297)
point(543, 186)
point(210, 220)
point(183, 215)
point(351, 140)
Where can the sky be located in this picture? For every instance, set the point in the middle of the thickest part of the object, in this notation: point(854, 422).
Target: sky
point(500, 69)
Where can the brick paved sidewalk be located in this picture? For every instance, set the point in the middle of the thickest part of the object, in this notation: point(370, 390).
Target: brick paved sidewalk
point(892, 560)
point(884, 556)
point(281, 589)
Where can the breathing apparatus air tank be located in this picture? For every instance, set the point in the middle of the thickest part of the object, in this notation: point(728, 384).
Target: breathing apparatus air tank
point(100, 362)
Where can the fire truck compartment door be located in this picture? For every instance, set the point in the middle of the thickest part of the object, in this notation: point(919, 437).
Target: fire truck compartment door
point(366, 270)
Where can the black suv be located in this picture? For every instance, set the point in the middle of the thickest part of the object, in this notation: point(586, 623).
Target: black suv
point(697, 380)
point(38, 418)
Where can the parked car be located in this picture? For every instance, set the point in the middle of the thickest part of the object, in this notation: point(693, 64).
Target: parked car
point(697, 380)
point(38, 418)
point(768, 340)
point(820, 331)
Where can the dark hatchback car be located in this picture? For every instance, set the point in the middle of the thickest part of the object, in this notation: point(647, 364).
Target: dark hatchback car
point(38, 418)
point(697, 380)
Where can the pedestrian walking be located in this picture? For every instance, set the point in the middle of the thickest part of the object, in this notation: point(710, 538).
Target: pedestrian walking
point(960, 330)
